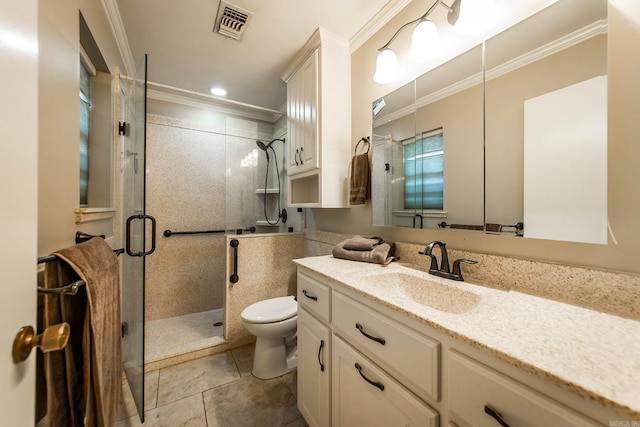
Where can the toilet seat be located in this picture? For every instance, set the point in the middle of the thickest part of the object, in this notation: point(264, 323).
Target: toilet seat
point(270, 310)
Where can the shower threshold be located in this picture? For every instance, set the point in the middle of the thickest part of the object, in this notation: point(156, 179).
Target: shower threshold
point(165, 338)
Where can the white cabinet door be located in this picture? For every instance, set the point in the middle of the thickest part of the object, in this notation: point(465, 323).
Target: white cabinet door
point(302, 109)
point(363, 395)
point(314, 356)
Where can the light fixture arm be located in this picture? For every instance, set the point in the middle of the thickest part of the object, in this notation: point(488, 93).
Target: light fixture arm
point(433, 6)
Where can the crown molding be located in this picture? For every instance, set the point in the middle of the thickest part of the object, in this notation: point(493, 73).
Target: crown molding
point(320, 36)
point(120, 35)
point(211, 104)
point(390, 10)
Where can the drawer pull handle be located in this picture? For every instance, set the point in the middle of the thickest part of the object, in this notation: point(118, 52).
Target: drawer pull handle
point(373, 383)
point(319, 353)
point(304, 291)
point(372, 338)
point(496, 415)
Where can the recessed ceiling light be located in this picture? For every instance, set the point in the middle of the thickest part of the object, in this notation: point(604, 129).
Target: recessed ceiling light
point(218, 91)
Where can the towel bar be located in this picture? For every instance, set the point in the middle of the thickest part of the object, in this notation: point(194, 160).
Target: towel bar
point(169, 233)
point(71, 288)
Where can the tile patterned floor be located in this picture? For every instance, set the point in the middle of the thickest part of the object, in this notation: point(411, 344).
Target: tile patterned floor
point(214, 391)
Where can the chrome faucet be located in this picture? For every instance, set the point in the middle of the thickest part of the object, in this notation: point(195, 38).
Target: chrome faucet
point(443, 270)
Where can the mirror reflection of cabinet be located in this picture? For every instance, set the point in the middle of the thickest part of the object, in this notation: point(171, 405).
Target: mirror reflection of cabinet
point(481, 113)
point(393, 125)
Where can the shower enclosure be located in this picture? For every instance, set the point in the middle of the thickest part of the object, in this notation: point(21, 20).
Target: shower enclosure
point(203, 176)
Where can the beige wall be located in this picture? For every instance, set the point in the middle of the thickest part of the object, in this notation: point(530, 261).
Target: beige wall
point(58, 122)
point(624, 150)
point(265, 270)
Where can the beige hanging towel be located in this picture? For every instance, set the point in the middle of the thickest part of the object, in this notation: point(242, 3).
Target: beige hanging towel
point(96, 264)
point(360, 180)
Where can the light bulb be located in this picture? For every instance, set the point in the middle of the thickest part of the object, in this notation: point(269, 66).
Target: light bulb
point(218, 91)
point(425, 43)
point(475, 16)
point(387, 68)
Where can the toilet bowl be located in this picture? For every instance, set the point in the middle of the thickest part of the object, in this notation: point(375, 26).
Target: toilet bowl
point(274, 322)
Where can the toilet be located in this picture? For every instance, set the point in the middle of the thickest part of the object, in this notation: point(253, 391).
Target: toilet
point(274, 323)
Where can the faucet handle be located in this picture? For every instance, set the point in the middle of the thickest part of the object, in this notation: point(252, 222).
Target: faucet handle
point(434, 260)
point(456, 267)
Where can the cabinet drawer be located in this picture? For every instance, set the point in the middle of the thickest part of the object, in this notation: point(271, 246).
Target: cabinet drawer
point(314, 296)
point(474, 386)
point(412, 358)
point(364, 396)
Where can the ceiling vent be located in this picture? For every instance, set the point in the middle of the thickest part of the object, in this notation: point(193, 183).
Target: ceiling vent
point(232, 21)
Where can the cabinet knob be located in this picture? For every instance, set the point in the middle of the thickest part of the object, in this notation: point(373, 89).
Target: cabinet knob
point(53, 338)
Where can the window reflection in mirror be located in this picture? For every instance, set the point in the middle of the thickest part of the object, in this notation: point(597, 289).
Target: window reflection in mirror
point(449, 97)
point(546, 161)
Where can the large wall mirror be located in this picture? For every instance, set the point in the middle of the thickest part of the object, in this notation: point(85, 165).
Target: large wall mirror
point(510, 137)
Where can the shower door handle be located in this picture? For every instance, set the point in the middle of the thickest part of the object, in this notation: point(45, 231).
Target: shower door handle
point(128, 235)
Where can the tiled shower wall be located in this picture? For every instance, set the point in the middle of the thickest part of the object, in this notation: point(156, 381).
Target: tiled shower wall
point(200, 176)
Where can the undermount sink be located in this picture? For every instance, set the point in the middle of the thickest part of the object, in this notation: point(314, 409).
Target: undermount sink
point(436, 295)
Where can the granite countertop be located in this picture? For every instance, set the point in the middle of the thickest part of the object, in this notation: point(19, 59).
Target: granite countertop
point(594, 354)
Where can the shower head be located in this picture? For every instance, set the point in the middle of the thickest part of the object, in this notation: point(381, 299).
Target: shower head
point(264, 146)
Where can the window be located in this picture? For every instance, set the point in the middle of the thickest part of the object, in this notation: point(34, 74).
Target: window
point(424, 172)
point(85, 107)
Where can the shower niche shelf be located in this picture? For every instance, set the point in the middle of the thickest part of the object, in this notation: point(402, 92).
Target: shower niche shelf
point(267, 191)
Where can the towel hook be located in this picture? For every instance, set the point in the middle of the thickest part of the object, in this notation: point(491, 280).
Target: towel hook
point(366, 140)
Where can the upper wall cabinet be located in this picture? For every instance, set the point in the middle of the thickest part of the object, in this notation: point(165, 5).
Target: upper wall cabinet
point(319, 120)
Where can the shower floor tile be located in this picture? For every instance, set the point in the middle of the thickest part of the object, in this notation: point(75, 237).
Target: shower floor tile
point(178, 335)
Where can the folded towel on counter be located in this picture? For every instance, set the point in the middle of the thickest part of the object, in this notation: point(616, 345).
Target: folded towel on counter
point(359, 243)
point(382, 253)
point(360, 180)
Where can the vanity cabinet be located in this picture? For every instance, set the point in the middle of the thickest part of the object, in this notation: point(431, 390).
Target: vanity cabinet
point(319, 123)
point(363, 362)
point(348, 375)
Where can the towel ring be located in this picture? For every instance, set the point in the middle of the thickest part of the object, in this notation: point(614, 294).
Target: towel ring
point(365, 139)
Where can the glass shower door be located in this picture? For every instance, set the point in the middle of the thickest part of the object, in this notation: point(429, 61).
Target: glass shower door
point(135, 236)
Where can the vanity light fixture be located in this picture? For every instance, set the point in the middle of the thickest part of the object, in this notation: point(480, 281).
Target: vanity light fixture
point(425, 43)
